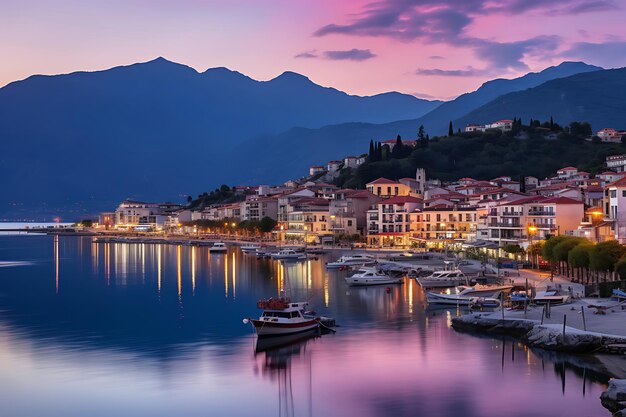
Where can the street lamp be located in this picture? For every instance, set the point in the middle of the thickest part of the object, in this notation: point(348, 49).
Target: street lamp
point(595, 215)
point(531, 231)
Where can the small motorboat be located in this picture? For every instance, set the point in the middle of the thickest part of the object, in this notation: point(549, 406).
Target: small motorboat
point(218, 247)
point(250, 248)
point(465, 294)
point(410, 257)
point(280, 317)
point(287, 254)
point(372, 276)
point(351, 260)
point(482, 302)
point(443, 279)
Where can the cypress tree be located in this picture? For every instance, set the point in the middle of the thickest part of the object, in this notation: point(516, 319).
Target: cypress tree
point(450, 129)
point(371, 153)
point(398, 148)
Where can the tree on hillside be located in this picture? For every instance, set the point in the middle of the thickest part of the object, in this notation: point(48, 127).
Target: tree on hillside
point(450, 129)
point(371, 155)
point(398, 148)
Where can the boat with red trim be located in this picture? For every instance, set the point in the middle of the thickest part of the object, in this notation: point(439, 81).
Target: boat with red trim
point(280, 317)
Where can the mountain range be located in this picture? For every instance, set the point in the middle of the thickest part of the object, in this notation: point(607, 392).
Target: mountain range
point(79, 143)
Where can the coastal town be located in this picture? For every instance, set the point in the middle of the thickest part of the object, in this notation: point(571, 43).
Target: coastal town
point(405, 213)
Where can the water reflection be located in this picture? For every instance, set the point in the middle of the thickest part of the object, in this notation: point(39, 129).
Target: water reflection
point(158, 328)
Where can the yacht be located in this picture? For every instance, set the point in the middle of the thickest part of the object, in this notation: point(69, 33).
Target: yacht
point(443, 279)
point(280, 317)
point(351, 260)
point(372, 276)
point(218, 247)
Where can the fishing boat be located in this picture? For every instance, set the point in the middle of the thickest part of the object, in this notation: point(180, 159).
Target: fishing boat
point(443, 279)
point(280, 317)
point(372, 276)
point(218, 247)
point(287, 254)
point(351, 260)
point(250, 248)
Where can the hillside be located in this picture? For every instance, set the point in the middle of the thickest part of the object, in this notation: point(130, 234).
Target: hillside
point(81, 142)
point(597, 97)
point(437, 120)
point(451, 158)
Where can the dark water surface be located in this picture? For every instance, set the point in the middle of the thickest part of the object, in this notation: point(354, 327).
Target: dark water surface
point(92, 329)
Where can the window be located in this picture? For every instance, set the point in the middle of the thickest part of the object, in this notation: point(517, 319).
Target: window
point(623, 193)
point(396, 190)
point(388, 190)
point(613, 193)
point(349, 223)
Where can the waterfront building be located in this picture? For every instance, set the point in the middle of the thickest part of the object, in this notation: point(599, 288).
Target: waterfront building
point(389, 221)
point(132, 213)
point(441, 225)
point(519, 220)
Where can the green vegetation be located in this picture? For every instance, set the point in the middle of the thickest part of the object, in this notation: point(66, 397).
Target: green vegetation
point(247, 227)
point(222, 195)
point(578, 258)
point(527, 150)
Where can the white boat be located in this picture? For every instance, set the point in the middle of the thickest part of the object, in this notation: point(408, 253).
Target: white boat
point(218, 247)
point(372, 276)
point(250, 248)
point(351, 260)
point(287, 254)
point(482, 302)
point(280, 317)
point(443, 279)
point(465, 294)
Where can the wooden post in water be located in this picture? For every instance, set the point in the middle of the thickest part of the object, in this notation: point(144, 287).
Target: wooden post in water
point(543, 313)
point(564, 322)
point(526, 299)
point(582, 310)
point(502, 304)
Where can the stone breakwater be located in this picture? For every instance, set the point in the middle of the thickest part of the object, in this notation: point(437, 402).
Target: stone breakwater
point(614, 398)
point(546, 336)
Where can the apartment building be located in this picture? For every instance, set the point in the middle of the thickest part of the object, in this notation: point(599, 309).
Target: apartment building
point(389, 221)
point(521, 220)
point(443, 224)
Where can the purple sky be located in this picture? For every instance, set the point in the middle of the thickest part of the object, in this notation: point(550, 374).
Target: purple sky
point(430, 48)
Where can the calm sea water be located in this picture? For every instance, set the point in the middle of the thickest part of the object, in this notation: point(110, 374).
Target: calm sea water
point(92, 329)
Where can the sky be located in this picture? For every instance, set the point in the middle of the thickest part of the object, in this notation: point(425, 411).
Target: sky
point(428, 48)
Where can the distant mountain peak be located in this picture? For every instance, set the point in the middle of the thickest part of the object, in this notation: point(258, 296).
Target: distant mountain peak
point(291, 76)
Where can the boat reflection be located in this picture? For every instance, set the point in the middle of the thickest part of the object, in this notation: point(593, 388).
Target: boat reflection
point(276, 355)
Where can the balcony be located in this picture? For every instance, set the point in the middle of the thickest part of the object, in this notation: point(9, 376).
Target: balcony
point(511, 214)
point(541, 213)
point(498, 224)
point(373, 217)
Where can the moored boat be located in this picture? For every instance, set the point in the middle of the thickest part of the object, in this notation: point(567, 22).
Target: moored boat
point(351, 260)
point(287, 254)
point(218, 247)
point(372, 276)
point(465, 294)
point(443, 279)
point(280, 317)
point(250, 248)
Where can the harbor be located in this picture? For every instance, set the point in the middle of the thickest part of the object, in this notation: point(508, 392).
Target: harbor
point(382, 334)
